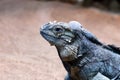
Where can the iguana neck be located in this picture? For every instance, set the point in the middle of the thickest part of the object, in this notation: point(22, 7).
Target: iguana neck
point(80, 48)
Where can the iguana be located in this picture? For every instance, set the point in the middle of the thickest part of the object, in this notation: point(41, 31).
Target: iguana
point(81, 53)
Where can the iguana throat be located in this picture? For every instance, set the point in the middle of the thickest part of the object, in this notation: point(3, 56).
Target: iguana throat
point(69, 52)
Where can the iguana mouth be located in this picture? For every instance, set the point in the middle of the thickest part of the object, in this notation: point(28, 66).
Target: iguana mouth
point(48, 37)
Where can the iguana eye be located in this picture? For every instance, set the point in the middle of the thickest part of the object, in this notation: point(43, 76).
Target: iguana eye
point(58, 29)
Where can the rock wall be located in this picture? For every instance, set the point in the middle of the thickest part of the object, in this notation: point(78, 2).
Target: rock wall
point(111, 5)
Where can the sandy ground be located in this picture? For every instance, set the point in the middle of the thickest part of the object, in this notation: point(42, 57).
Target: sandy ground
point(25, 55)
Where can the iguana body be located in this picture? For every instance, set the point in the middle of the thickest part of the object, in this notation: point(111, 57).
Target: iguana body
point(82, 55)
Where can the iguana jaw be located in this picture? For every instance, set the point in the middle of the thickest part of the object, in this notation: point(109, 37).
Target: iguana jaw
point(51, 38)
point(48, 37)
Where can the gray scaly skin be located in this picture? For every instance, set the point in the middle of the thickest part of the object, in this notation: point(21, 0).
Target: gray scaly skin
point(82, 55)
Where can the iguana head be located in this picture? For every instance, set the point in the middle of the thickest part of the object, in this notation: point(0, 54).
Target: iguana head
point(63, 36)
point(58, 33)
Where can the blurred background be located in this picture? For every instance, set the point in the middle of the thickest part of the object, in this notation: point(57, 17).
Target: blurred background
point(25, 55)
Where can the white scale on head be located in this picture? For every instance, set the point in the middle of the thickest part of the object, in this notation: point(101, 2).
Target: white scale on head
point(74, 25)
